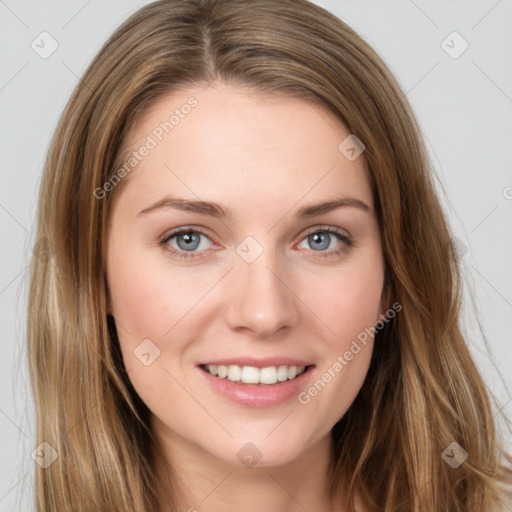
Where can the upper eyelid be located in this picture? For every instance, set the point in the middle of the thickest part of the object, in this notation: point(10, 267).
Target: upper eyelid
point(178, 231)
point(203, 231)
point(324, 227)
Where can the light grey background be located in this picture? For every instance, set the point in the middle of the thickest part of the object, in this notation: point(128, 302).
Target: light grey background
point(464, 106)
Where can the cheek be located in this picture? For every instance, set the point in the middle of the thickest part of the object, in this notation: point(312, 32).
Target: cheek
point(358, 307)
point(147, 300)
point(349, 301)
point(152, 300)
point(349, 305)
point(138, 298)
point(148, 297)
point(141, 296)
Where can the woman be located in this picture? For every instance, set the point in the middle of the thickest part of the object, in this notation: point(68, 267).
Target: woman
point(192, 347)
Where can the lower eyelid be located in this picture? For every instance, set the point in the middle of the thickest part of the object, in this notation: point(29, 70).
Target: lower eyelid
point(344, 238)
point(168, 238)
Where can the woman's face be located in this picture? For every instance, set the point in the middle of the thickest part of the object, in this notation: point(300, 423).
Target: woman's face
point(274, 276)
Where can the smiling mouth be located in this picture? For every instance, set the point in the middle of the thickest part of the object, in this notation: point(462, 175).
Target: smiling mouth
point(268, 376)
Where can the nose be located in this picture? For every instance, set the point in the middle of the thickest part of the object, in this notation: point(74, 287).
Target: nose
point(263, 300)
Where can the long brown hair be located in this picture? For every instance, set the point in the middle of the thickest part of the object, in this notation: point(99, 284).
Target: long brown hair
point(423, 390)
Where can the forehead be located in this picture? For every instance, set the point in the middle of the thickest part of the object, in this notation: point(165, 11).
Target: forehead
point(235, 142)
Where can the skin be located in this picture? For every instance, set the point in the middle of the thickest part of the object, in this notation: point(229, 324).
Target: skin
point(264, 157)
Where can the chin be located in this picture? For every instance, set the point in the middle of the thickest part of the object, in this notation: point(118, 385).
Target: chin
point(260, 452)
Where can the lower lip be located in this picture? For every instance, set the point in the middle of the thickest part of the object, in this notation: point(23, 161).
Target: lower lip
point(254, 395)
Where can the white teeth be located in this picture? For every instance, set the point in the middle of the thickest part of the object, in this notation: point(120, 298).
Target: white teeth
point(253, 375)
point(234, 373)
point(268, 375)
point(248, 374)
point(282, 373)
point(292, 372)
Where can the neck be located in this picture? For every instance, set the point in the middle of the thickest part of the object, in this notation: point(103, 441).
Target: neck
point(206, 484)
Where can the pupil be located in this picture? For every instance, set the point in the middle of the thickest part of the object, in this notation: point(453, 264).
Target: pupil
point(317, 237)
point(190, 240)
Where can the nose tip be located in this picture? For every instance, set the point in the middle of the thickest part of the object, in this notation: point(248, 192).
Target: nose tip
point(263, 303)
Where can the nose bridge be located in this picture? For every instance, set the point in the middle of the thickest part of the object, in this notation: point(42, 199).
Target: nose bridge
point(263, 302)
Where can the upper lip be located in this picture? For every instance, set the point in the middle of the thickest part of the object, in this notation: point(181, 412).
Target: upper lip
point(258, 362)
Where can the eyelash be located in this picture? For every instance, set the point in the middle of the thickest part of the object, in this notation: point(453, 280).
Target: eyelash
point(347, 240)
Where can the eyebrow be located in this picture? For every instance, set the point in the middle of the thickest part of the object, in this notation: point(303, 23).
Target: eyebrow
point(219, 211)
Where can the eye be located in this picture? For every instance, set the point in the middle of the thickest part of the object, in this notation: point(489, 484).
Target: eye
point(188, 243)
point(325, 237)
point(185, 240)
